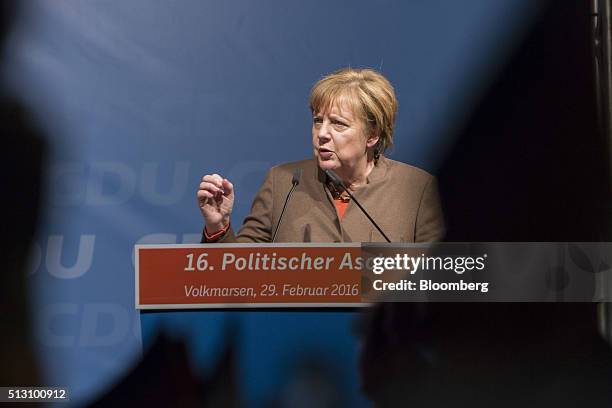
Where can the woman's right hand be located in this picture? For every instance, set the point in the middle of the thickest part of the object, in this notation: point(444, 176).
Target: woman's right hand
point(216, 201)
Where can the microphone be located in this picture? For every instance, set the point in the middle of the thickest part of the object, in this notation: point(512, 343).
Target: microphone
point(333, 177)
point(297, 174)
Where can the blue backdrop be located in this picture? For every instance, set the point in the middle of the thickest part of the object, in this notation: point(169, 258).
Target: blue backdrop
point(141, 98)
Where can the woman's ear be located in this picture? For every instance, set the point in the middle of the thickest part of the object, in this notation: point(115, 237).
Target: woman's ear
point(373, 139)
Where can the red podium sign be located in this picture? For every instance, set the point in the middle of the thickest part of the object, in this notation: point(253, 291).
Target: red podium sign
point(248, 275)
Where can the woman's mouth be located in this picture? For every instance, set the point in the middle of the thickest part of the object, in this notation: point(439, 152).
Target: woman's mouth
point(325, 154)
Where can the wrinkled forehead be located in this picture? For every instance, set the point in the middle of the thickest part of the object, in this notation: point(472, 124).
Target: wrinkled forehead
point(344, 101)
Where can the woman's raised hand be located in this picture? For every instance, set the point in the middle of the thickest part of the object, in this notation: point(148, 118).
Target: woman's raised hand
point(216, 201)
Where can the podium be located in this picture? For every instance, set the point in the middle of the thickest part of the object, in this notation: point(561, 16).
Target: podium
point(297, 275)
point(221, 276)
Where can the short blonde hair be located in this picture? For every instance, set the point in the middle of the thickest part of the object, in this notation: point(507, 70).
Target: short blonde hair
point(370, 95)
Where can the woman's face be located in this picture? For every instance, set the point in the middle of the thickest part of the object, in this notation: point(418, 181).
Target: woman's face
point(339, 139)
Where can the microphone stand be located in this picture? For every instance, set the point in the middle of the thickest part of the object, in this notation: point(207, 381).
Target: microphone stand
point(337, 182)
point(297, 173)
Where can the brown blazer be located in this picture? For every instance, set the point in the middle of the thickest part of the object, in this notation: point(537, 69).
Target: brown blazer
point(402, 199)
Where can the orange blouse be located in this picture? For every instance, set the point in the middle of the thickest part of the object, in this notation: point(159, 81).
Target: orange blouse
point(341, 206)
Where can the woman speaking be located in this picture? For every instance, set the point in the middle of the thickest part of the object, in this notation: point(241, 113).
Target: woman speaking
point(353, 115)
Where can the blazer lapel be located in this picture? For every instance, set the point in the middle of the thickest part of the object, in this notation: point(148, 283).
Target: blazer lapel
point(355, 224)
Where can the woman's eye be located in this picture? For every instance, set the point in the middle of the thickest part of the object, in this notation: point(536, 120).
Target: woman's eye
point(340, 125)
point(317, 121)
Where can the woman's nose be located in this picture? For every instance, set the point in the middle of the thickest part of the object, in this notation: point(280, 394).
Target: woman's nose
point(323, 132)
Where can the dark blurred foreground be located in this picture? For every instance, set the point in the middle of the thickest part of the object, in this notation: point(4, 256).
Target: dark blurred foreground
point(531, 164)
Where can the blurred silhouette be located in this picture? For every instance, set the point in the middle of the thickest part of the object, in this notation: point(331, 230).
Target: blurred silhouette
point(531, 164)
point(312, 381)
point(164, 377)
point(21, 171)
